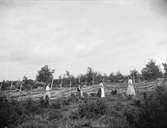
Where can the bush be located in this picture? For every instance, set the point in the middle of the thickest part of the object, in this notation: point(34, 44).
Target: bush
point(68, 123)
point(30, 106)
point(92, 107)
point(73, 99)
point(10, 115)
point(56, 105)
point(55, 115)
point(44, 102)
point(74, 115)
point(85, 95)
point(132, 114)
point(115, 122)
point(59, 103)
point(37, 124)
point(154, 110)
point(93, 94)
point(137, 102)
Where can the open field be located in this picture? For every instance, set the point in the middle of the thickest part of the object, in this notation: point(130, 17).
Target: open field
point(67, 110)
point(65, 92)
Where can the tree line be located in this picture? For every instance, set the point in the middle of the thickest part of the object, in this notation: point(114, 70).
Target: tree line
point(44, 76)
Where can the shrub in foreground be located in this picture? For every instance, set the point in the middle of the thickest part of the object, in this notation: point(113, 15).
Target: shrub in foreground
point(153, 112)
point(92, 108)
point(9, 114)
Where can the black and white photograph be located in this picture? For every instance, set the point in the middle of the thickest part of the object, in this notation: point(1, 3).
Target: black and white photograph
point(83, 63)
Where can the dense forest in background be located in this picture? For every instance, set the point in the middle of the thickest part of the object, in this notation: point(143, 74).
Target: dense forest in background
point(44, 76)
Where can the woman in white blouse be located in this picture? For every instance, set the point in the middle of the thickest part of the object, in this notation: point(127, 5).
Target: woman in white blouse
point(130, 90)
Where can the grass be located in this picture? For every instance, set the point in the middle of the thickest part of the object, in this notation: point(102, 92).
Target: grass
point(114, 111)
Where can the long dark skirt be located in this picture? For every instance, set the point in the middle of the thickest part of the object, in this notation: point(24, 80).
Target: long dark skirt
point(99, 93)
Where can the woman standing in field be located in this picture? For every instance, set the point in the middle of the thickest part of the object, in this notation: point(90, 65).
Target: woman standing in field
point(102, 89)
point(130, 90)
point(79, 90)
point(47, 92)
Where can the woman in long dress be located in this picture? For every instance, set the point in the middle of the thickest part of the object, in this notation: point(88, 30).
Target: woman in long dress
point(47, 93)
point(102, 89)
point(79, 90)
point(130, 90)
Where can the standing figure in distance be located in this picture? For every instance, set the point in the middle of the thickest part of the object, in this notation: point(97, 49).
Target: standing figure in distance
point(47, 93)
point(102, 89)
point(130, 90)
point(79, 90)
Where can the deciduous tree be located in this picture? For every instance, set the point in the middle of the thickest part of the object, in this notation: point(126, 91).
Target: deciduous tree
point(44, 75)
point(151, 71)
point(165, 69)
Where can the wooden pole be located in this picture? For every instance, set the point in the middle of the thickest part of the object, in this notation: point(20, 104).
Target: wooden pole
point(11, 88)
point(52, 78)
point(133, 78)
point(52, 82)
point(20, 90)
point(20, 86)
point(93, 79)
point(61, 82)
point(104, 77)
point(70, 84)
point(0, 87)
point(11, 85)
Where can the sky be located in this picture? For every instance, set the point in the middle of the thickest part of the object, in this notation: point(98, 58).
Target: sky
point(107, 35)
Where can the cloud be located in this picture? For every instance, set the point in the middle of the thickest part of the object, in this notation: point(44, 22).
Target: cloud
point(29, 57)
point(87, 48)
point(107, 35)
